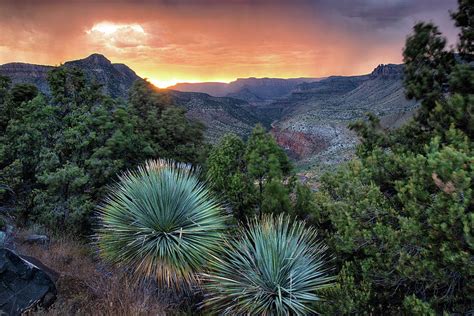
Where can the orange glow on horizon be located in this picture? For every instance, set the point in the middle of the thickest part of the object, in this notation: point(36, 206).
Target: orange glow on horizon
point(213, 40)
point(163, 84)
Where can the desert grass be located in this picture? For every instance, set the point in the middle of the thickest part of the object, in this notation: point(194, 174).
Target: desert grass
point(87, 287)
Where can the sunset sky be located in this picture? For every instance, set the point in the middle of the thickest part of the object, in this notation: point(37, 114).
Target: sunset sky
point(218, 40)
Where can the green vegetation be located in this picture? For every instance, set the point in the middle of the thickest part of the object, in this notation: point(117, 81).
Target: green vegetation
point(274, 267)
point(255, 177)
point(161, 222)
point(399, 218)
point(58, 152)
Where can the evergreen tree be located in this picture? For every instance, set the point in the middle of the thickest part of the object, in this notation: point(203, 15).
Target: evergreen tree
point(276, 198)
point(59, 154)
point(265, 159)
point(226, 169)
point(400, 216)
point(255, 177)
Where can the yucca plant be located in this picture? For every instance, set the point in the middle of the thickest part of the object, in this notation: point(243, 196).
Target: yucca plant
point(275, 267)
point(162, 222)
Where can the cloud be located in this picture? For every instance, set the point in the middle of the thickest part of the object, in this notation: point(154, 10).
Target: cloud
point(118, 36)
point(386, 13)
point(210, 39)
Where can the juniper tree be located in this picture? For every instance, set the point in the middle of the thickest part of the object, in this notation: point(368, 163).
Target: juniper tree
point(400, 216)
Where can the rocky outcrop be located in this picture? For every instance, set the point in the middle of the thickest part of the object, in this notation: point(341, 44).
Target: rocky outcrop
point(388, 71)
point(299, 145)
point(116, 79)
point(23, 285)
point(37, 239)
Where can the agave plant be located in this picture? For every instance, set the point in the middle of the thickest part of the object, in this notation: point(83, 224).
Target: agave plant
point(275, 267)
point(162, 222)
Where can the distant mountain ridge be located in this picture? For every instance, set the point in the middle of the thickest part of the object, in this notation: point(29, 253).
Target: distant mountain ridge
point(220, 115)
point(27, 73)
point(248, 89)
point(318, 113)
point(307, 116)
point(115, 78)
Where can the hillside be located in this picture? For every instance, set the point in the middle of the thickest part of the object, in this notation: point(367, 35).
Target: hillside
point(27, 73)
point(308, 116)
point(248, 89)
point(318, 113)
point(220, 115)
point(115, 78)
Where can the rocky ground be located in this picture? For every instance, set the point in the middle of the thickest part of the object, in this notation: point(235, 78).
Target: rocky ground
point(314, 130)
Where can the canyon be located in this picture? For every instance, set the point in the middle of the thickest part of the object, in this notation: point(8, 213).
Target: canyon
point(307, 116)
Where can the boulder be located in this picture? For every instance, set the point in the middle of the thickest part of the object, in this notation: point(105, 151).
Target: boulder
point(23, 285)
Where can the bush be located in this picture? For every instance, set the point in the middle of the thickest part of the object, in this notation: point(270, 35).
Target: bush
point(59, 152)
point(161, 222)
point(275, 267)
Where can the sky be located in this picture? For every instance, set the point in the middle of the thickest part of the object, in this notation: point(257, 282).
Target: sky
point(170, 41)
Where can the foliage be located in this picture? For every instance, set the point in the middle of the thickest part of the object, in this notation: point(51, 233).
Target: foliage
point(274, 267)
point(304, 201)
point(168, 133)
point(254, 177)
point(226, 170)
point(58, 152)
point(276, 198)
point(265, 159)
point(161, 222)
point(464, 19)
point(400, 216)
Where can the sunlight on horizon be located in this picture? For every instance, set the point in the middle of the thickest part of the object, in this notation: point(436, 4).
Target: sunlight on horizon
point(163, 84)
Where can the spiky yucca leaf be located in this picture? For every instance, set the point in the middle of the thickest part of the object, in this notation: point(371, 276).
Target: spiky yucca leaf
point(161, 221)
point(274, 267)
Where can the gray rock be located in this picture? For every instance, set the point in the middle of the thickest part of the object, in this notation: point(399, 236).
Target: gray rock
point(23, 285)
point(3, 238)
point(37, 239)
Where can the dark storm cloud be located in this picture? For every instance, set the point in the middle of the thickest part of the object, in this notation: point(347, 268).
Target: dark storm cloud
point(385, 13)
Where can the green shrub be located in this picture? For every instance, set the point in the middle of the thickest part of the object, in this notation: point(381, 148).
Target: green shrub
point(274, 267)
point(241, 172)
point(58, 153)
point(162, 222)
point(400, 217)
